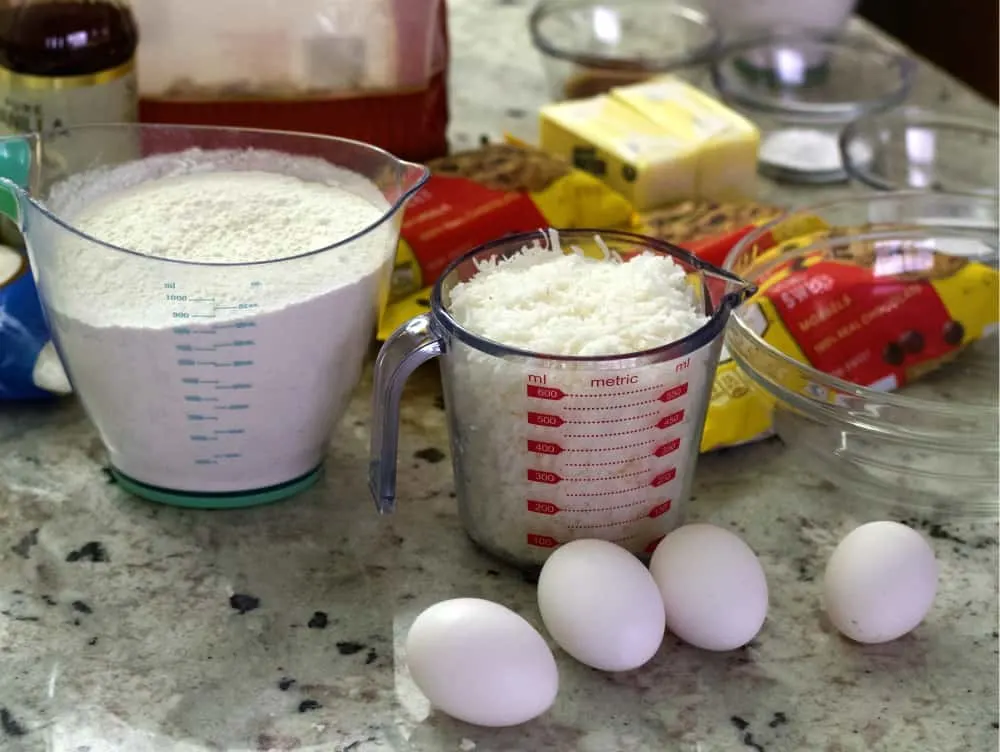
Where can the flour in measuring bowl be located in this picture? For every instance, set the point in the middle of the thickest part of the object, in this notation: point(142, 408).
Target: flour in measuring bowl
point(209, 378)
point(551, 451)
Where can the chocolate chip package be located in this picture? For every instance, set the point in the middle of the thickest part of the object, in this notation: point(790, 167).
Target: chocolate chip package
point(879, 314)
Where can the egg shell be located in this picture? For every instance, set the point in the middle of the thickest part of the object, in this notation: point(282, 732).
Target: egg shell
point(600, 604)
point(481, 663)
point(713, 587)
point(880, 582)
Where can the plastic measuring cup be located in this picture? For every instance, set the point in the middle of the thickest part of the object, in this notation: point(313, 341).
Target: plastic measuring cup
point(545, 448)
point(211, 383)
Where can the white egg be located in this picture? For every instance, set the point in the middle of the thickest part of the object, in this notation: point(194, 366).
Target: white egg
point(713, 587)
point(481, 663)
point(880, 582)
point(600, 604)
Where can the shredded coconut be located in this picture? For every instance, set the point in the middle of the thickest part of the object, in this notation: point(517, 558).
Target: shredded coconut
point(548, 450)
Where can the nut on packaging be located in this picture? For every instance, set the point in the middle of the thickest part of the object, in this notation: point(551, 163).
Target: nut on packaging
point(708, 229)
point(29, 365)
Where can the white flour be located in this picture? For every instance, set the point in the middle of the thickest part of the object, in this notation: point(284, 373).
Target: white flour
point(215, 378)
point(616, 461)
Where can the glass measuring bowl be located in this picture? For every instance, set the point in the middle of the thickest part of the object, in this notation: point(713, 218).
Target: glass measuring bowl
point(549, 448)
point(211, 383)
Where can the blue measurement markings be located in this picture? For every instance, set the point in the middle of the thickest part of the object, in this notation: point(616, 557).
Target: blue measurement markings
point(195, 347)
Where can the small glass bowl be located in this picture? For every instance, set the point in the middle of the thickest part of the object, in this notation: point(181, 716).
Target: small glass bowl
point(590, 47)
point(800, 88)
point(930, 449)
point(912, 147)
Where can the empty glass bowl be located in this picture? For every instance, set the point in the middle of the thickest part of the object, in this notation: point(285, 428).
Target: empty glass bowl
point(801, 88)
point(590, 47)
point(912, 147)
point(929, 448)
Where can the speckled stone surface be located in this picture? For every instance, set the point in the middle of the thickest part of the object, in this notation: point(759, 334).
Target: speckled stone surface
point(118, 631)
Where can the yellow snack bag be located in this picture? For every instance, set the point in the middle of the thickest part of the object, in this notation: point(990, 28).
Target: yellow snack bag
point(476, 196)
point(876, 317)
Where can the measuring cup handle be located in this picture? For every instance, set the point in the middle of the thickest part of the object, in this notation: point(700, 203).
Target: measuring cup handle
point(414, 343)
point(15, 172)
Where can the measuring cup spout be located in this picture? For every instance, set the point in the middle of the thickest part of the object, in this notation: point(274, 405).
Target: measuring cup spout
point(412, 177)
point(414, 343)
point(741, 292)
point(398, 179)
point(15, 174)
point(730, 290)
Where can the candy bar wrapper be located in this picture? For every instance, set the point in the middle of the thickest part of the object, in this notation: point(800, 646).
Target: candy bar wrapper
point(880, 319)
point(707, 229)
point(477, 196)
point(29, 366)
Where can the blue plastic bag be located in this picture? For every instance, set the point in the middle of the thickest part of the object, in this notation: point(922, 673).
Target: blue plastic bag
point(29, 365)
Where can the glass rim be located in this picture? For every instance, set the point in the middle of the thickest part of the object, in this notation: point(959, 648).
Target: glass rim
point(38, 205)
point(652, 65)
point(887, 399)
point(700, 337)
point(909, 115)
point(817, 112)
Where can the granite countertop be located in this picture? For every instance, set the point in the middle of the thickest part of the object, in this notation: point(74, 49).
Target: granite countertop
point(129, 626)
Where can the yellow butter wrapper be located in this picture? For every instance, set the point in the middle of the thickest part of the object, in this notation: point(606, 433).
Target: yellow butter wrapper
point(656, 142)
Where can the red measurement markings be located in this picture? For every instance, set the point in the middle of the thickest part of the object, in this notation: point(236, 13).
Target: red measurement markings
point(663, 478)
point(554, 421)
point(666, 422)
point(545, 392)
point(671, 420)
point(549, 509)
point(641, 390)
point(664, 449)
point(660, 509)
point(609, 434)
point(544, 447)
point(613, 463)
point(542, 476)
point(544, 419)
point(542, 541)
point(615, 448)
point(547, 420)
point(606, 421)
point(601, 525)
point(543, 507)
point(617, 406)
point(619, 492)
point(674, 393)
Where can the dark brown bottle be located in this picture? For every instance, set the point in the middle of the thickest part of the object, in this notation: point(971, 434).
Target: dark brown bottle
point(66, 62)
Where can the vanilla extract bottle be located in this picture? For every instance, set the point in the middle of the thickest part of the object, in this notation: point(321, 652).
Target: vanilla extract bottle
point(66, 62)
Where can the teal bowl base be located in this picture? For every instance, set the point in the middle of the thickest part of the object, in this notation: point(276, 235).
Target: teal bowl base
point(233, 500)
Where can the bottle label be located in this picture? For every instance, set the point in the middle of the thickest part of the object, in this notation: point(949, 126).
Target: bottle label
point(51, 104)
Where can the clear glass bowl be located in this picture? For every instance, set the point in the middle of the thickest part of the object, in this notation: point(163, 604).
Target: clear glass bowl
point(800, 88)
point(929, 449)
point(912, 147)
point(590, 47)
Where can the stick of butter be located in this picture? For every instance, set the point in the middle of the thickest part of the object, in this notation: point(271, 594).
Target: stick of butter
point(657, 142)
point(727, 142)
